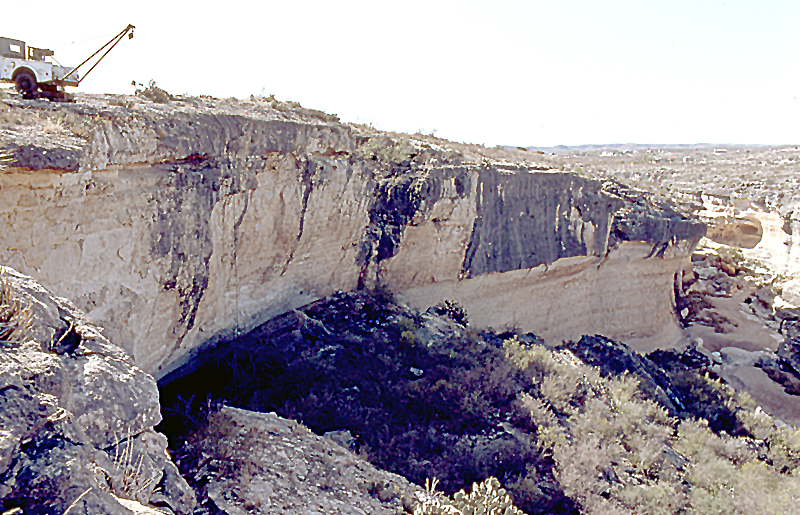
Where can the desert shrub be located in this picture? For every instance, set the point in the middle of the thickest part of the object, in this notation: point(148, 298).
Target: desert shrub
point(295, 107)
point(15, 320)
point(121, 101)
point(428, 398)
point(415, 407)
point(452, 310)
point(726, 475)
point(783, 450)
point(155, 94)
point(391, 153)
point(707, 397)
point(612, 455)
point(485, 498)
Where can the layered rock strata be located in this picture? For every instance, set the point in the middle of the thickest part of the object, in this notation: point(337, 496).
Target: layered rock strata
point(77, 417)
point(177, 225)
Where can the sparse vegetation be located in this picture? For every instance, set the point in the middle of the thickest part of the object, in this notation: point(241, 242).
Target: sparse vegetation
point(486, 498)
point(155, 94)
point(452, 310)
point(219, 441)
point(294, 107)
point(560, 436)
point(130, 468)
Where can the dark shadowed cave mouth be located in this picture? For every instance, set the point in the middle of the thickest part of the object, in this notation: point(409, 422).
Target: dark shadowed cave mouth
point(423, 395)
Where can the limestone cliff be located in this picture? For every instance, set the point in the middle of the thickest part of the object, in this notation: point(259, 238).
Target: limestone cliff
point(175, 225)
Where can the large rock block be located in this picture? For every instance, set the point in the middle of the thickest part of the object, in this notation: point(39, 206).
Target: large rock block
point(77, 415)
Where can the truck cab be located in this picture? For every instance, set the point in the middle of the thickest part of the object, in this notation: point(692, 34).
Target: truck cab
point(31, 73)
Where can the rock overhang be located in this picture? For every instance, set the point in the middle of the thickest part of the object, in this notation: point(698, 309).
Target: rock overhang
point(198, 220)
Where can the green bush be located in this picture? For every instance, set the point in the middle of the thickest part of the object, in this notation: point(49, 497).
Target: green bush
point(486, 498)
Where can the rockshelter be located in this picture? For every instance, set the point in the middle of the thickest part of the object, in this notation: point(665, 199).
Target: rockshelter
point(177, 225)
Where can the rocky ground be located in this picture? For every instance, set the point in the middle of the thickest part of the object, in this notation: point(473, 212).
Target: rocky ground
point(249, 462)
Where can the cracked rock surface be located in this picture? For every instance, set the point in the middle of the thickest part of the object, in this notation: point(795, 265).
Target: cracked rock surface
point(259, 463)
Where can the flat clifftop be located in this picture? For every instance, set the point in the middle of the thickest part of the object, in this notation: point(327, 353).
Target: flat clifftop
point(180, 223)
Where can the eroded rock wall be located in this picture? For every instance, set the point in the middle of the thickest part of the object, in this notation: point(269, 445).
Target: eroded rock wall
point(174, 226)
point(768, 236)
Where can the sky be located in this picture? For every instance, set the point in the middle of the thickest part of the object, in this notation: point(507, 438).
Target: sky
point(522, 73)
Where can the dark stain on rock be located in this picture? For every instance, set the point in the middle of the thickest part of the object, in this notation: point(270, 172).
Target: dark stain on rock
point(394, 206)
point(181, 208)
point(528, 219)
point(399, 200)
point(651, 219)
point(307, 186)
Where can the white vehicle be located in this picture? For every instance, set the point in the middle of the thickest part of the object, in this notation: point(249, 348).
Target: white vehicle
point(35, 77)
point(27, 68)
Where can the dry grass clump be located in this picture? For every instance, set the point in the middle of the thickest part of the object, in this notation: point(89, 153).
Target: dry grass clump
point(48, 121)
point(15, 319)
point(155, 94)
point(129, 483)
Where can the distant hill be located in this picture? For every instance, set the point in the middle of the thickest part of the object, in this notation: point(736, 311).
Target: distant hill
point(630, 147)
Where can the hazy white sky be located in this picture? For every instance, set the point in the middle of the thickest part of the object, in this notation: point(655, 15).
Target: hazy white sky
point(502, 72)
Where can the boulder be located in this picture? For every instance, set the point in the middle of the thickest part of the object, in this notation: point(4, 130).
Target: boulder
point(77, 415)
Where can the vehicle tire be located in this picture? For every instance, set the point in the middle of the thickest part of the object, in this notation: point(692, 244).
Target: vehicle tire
point(25, 82)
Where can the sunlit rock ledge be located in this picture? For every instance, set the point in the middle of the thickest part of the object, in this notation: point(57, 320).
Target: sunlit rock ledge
point(766, 236)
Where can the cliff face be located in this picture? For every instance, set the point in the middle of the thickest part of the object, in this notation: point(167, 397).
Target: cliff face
point(176, 225)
